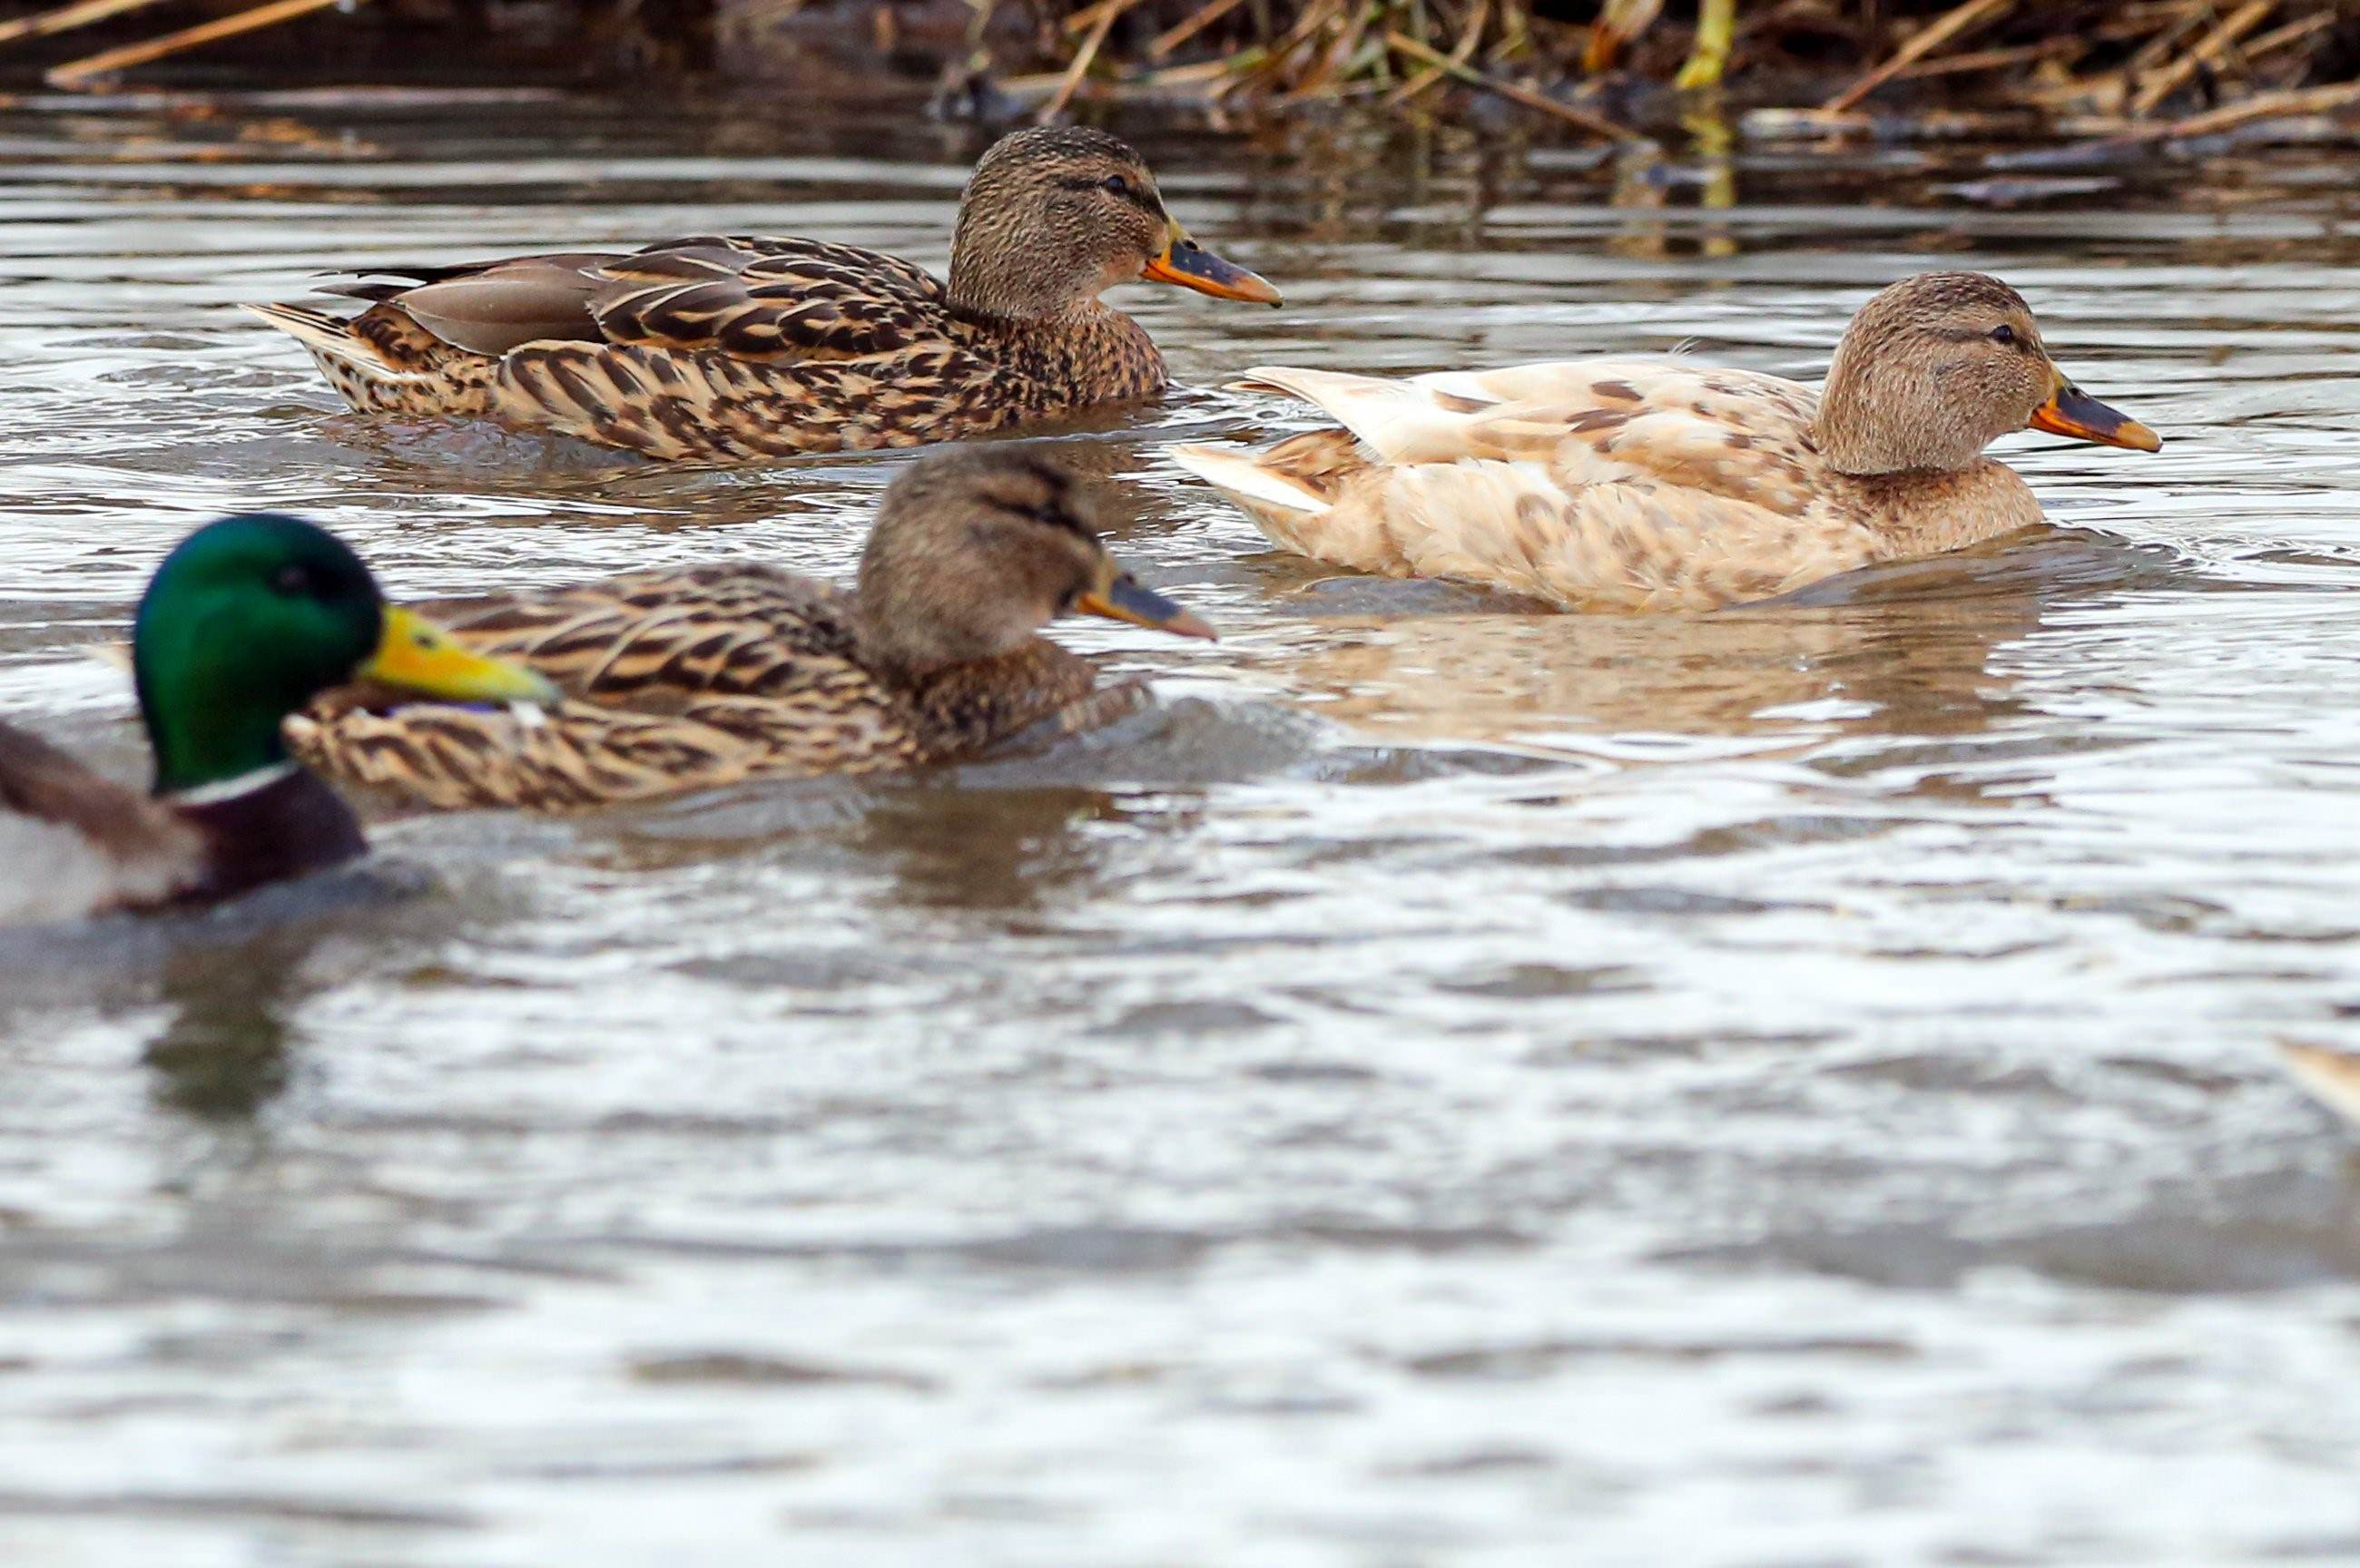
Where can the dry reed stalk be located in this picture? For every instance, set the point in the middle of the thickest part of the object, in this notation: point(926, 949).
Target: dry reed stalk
point(1469, 36)
point(1921, 43)
point(2295, 31)
point(64, 18)
point(1089, 17)
point(1080, 65)
point(1182, 75)
point(1621, 24)
point(1173, 36)
point(1337, 54)
point(1996, 59)
point(2284, 104)
point(2207, 49)
point(81, 72)
point(1596, 124)
point(1967, 124)
point(2175, 31)
point(1272, 65)
point(2129, 22)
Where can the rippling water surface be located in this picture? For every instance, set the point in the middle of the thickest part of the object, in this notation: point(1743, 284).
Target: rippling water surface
point(1455, 1085)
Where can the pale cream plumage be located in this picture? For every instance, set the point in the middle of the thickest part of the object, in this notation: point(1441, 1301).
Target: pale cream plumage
point(1668, 486)
point(2330, 1077)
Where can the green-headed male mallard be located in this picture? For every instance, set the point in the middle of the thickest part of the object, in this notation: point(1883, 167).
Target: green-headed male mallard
point(248, 620)
point(718, 346)
point(688, 679)
point(1664, 484)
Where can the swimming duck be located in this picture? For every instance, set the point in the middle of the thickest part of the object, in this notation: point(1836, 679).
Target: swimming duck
point(686, 679)
point(717, 347)
point(248, 620)
point(2330, 1077)
point(1611, 485)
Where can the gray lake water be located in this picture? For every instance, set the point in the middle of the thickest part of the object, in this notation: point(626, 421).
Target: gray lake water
point(1455, 1085)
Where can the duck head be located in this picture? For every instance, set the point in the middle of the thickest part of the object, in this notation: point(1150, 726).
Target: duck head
point(250, 618)
point(1055, 215)
point(1938, 366)
point(975, 551)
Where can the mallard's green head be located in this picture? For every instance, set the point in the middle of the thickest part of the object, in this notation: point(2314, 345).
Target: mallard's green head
point(253, 617)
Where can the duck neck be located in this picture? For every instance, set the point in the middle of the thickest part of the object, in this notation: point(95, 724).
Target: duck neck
point(276, 823)
point(1089, 354)
point(990, 290)
point(962, 708)
point(1915, 512)
point(896, 661)
point(960, 703)
point(202, 743)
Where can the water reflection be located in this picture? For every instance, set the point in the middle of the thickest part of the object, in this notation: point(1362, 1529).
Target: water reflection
point(1002, 850)
point(223, 1051)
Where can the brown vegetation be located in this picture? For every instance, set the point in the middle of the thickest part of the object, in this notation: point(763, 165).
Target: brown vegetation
point(2132, 72)
point(2141, 68)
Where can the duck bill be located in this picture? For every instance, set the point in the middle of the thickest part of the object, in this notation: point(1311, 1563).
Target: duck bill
point(1184, 262)
point(1127, 600)
point(415, 655)
point(2069, 412)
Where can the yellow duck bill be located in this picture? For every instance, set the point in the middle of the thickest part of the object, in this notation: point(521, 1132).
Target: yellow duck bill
point(2069, 412)
point(415, 655)
point(1125, 599)
point(1189, 264)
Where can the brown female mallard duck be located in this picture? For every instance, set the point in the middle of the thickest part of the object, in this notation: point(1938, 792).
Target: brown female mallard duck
point(687, 679)
point(248, 620)
point(743, 347)
point(1610, 484)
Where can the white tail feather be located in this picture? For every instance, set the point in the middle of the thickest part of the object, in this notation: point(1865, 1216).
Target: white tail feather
point(1235, 473)
point(1397, 421)
point(2332, 1077)
point(1427, 419)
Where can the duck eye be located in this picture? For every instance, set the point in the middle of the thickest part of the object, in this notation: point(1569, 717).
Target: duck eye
point(2004, 335)
point(294, 581)
point(1118, 184)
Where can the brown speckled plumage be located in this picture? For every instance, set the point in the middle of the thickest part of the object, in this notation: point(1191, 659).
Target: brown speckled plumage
point(722, 346)
point(1664, 486)
point(699, 677)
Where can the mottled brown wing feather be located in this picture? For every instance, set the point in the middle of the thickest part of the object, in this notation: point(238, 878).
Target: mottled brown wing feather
point(677, 403)
point(681, 679)
point(723, 629)
point(587, 754)
point(771, 300)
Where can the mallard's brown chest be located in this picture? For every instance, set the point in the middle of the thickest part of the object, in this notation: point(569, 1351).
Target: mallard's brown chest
point(1103, 357)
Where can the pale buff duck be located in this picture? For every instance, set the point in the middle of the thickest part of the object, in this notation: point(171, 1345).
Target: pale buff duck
point(2332, 1077)
point(1612, 485)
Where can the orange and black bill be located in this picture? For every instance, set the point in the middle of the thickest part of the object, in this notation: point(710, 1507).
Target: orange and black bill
point(1125, 599)
point(2071, 411)
point(1184, 262)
